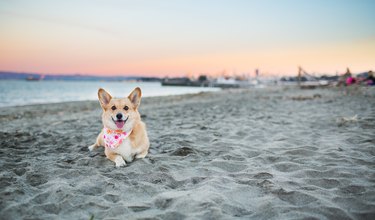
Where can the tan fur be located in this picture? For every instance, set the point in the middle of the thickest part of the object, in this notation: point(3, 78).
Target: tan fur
point(137, 143)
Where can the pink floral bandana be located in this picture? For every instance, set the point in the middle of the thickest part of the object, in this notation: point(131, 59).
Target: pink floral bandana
point(113, 138)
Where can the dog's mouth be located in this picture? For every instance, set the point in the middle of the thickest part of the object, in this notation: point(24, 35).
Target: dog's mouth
point(120, 123)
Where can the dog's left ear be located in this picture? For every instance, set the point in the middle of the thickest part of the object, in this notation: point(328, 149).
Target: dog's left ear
point(135, 97)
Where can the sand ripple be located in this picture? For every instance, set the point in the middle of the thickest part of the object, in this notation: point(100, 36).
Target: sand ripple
point(262, 154)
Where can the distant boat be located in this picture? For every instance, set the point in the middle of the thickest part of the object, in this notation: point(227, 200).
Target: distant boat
point(35, 78)
point(226, 82)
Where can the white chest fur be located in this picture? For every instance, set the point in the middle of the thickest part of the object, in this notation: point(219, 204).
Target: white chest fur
point(125, 150)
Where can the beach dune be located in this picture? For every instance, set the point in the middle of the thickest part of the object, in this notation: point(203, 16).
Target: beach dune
point(273, 153)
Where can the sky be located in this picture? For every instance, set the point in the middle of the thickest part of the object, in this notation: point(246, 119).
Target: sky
point(186, 37)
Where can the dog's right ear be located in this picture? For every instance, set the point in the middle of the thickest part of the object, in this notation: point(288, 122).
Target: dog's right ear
point(104, 97)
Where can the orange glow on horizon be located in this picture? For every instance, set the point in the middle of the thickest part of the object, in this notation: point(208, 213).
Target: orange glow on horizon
point(278, 61)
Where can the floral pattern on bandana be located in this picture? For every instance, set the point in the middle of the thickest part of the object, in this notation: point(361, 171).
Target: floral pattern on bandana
point(113, 138)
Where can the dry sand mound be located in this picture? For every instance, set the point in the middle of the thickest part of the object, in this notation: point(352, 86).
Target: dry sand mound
point(264, 154)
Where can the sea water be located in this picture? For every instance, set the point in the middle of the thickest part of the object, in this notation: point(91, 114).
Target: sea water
point(18, 92)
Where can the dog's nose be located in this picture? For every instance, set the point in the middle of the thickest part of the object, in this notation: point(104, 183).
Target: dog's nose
point(119, 116)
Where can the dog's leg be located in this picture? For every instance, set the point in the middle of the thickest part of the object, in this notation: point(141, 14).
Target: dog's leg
point(129, 158)
point(99, 142)
point(144, 146)
point(93, 147)
point(119, 161)
point(142, 154)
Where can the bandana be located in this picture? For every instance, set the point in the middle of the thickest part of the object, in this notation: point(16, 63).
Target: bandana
point(113, 138)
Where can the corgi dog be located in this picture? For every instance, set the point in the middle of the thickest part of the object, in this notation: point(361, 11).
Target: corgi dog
point(124, 135)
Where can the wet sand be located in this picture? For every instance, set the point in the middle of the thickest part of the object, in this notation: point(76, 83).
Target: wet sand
point(278, 153)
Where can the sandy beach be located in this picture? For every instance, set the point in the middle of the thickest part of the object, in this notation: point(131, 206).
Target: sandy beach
point(273, 153)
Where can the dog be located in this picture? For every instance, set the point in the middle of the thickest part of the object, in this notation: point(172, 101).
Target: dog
point(124, 135)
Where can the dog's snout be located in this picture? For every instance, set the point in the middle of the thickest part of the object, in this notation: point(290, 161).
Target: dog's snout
point(119, 116)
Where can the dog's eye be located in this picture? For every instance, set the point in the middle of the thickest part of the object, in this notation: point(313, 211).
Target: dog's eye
point(113, 108)
point(126, 108)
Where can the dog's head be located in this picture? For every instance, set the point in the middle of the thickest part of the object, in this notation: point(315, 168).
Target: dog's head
point(120, 113)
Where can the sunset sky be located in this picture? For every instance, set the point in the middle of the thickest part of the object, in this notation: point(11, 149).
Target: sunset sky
point(186, 37)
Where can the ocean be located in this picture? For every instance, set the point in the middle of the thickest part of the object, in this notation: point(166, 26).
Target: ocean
point(18, 92)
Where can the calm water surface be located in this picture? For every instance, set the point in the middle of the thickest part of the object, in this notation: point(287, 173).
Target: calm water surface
point(17, 92)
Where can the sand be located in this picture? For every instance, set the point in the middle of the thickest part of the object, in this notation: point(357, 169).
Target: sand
point(276, 153)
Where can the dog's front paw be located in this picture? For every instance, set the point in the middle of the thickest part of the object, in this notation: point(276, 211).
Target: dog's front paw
point(141, 155)
point(120, 162)
point(92, 147)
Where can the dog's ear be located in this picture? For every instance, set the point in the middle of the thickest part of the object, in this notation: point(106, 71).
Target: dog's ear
point(104, 97)
point(135, 97)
